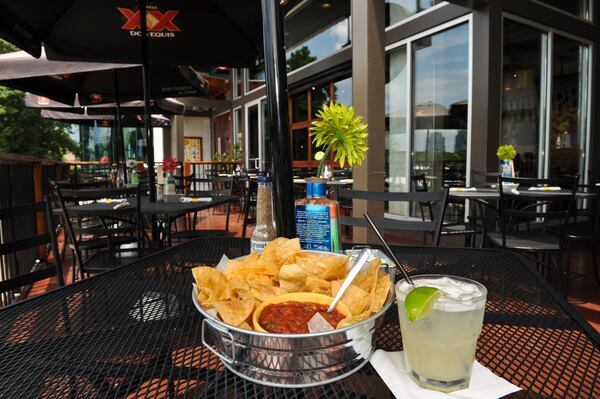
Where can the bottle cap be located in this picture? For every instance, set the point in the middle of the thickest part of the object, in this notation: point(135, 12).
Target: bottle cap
point(319, 189)
point(263, 179)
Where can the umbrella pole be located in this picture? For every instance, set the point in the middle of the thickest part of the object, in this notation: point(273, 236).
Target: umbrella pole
point(149, 136)
point(118, 127)
point(278, 123)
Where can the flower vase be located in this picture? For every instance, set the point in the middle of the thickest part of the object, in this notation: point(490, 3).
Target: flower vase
point(170, 184)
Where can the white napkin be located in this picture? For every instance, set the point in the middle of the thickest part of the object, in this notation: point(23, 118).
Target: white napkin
point(483, 385)
point(112, 201)
point(544, 188)
point(461, 189)
point(348, 181)
point(192, 199)
point(121, 204)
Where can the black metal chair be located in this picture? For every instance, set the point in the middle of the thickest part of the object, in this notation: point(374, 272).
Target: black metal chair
point(23, 251)
point(206, 187)
point(586, 233)
point(98, 246)
point(470, 230)
point(249, 208)
point(434, 226)
point(524, 218)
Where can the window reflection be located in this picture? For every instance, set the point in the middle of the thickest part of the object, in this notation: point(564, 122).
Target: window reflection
point(256, 75)
point(342, 91)
point(300, 107)
point(398, 10)
point(579, 8)
point(569, 109)
point(440, 104)
point(521, 95)
point(320, 96)
point(300, 144)
point(314, 30)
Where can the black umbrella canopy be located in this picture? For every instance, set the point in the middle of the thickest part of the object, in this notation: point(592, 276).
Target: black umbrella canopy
point(103, 120)
point(110, 31)
point(96, 83)
point(164, 106)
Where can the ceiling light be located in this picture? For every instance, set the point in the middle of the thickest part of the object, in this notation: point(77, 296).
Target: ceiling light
point(325, 5)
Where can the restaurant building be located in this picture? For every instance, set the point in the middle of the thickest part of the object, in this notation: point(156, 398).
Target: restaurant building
point(441, 84)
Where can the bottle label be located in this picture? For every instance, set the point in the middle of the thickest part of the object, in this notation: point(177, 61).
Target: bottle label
point(313, 227)
point(258, 245)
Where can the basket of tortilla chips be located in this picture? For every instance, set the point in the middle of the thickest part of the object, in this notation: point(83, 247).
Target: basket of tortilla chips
point(265, 316)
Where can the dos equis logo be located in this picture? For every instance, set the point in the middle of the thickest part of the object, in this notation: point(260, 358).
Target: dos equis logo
point(158, 23)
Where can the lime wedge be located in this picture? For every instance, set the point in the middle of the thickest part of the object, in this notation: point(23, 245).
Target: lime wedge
point(419, 301)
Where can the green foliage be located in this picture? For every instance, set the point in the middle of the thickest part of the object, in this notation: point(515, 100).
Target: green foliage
point(340, 130)
point(299, 58)
point(506, 152)
point(24, 131)
point(236, 154)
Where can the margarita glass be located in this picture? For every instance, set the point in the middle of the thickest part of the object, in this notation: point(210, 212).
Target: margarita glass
point(439, 347)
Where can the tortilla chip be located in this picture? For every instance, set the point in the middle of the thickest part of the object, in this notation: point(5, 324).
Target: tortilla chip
point(235, 312)
point(212, 285)
point(246, 326)
point(379, 293)
point(367, 280)
point(292, 278)
point(356, 299)
point(318, 285)
point(348, 321)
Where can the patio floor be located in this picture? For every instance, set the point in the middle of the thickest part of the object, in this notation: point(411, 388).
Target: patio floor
point(584, 295)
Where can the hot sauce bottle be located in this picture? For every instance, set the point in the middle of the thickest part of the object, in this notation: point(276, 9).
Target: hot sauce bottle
point(317, 219)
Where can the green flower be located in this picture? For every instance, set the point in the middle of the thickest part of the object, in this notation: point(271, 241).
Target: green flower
point(506, 152)
point(340, 130)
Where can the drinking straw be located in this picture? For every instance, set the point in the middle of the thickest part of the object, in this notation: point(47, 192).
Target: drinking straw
point(387, 247)
point(335, 233)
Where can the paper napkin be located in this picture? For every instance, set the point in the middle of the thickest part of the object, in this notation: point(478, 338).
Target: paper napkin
point(112, 201)
point(544, 188)
point(461, 189)
point(192, 199)
point(122, 204)
point(484, 384)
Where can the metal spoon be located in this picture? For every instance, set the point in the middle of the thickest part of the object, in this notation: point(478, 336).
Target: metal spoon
point(363, 256)
point(387, 247)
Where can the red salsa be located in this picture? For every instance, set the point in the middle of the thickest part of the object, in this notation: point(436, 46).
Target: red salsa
point(293, 317)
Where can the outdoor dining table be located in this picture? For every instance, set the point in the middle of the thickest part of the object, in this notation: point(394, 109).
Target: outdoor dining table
point(166, 212)
point(493, 194)
point(134, 332)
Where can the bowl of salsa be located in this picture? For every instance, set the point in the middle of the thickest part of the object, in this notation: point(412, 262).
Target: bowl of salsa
point(290, 313)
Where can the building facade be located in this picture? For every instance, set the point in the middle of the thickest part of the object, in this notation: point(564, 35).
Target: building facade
point(441, 83)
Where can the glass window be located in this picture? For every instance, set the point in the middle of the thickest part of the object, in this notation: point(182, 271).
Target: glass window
point(253, 134)
point(568, 125)
point(440, 106)
point(300, 144)
point(396, 110)
point(256, 75)
point(397, 10)
point(299, 108)
point(579, 8)
point(237, 125)
point(315, 29)
point(342, 91)
point(266, 137)
point(320, 95)
point(522, 100)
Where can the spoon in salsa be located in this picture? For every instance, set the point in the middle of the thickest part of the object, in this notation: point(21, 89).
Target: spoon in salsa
point(363, 256)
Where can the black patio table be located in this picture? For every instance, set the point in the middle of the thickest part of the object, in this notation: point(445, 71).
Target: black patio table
point(134, 332)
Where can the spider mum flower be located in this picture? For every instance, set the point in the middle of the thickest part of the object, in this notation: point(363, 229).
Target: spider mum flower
point(340, 129)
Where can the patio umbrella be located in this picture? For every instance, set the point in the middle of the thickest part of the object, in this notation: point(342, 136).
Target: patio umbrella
point(164, 106)
point(96, 83)
point(104, 120)
point(206, 33)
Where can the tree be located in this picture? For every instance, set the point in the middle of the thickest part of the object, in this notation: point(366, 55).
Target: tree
point(24, 131)
point(299, 58)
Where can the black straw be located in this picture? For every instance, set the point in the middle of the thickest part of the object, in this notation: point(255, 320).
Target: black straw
point(387, 247)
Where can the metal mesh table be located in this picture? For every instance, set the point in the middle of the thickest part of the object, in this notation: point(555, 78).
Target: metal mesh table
point(133, 333)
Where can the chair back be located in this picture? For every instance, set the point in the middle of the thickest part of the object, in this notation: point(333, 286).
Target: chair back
point(434, 225)
point(214, 186)
point(522, 209)
point(25, 253)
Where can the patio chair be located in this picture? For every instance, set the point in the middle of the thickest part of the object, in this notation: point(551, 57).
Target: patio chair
point(433, 226)
point(206, 187)
point(249, 208)
point(524, 218)
point(470, 230)
point(586, 233)
point(25, 252)
point(98, 247)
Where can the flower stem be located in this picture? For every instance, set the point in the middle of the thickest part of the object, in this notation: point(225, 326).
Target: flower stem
point(325, 157)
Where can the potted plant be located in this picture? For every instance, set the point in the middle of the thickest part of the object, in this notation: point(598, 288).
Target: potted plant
point(339, 129)
point(506, 154)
